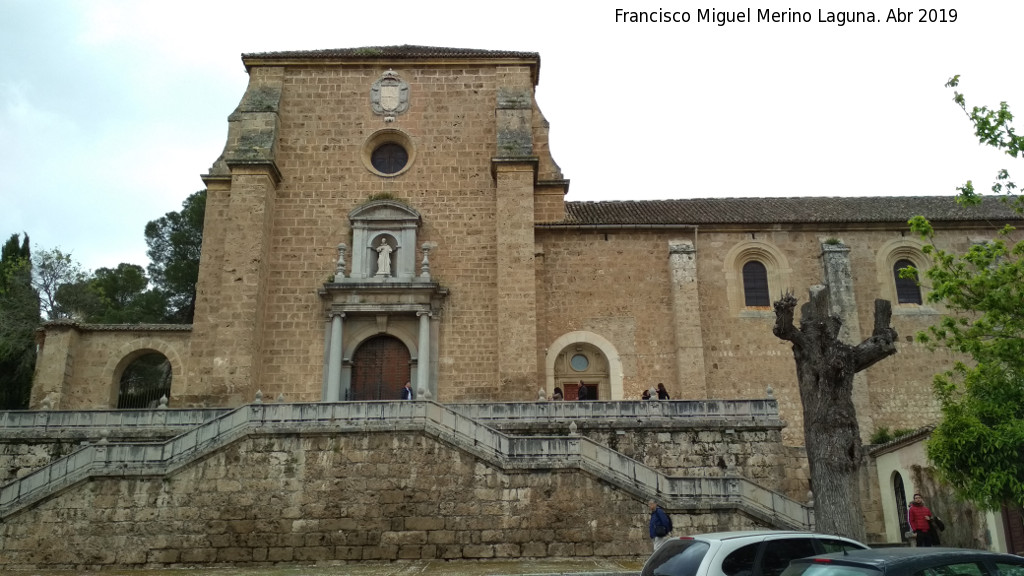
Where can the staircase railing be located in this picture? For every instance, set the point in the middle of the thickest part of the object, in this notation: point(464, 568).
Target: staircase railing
point(452, 426)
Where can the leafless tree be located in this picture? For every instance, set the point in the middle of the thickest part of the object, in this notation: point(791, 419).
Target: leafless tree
point(825, 369)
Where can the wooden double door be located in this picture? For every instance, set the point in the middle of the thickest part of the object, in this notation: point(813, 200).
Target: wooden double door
point(380, 368)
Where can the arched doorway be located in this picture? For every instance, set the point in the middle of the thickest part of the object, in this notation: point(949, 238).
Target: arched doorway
point(144, 382)
point(380, 367)
point(582, 362)
point(900, 493)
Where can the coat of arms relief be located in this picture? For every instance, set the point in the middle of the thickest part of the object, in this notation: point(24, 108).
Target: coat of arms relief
point(389, 96)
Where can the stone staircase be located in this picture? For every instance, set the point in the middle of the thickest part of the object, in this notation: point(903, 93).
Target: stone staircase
point(457, 425)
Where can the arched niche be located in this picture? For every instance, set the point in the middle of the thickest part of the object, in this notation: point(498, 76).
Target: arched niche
point(392, 223)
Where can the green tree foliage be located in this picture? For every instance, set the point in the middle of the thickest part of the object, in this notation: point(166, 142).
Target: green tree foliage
point(883, 435)
point(174, 243)
point(978, 447)
point(19, 318)
point(124, 298)
point(52, 270)
point(78, 301)
point(112, 296)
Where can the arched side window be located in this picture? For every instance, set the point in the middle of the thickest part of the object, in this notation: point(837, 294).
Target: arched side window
point(907, 294)
point(907, 289)
point(755, 271)
point(755, 284)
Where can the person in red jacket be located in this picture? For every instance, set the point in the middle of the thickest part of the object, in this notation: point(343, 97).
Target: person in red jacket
point(919, 515)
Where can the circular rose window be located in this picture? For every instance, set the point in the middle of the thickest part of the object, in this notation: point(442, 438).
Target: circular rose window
point(388, 152)
point(579, 362)
point(389, 158)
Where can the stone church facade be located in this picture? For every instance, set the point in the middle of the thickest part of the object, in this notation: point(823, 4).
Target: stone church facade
point(498, 288)
point(394, 214)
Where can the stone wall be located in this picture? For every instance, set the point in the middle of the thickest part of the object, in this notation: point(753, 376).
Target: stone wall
point(699, 449)
point(345, 497)
point(80, 365)
point(19, 457)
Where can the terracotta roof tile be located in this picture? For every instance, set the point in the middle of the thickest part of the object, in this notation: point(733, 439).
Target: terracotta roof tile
point(893, 209)
point(404, 51)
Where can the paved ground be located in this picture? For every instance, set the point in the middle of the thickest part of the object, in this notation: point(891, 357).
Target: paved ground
point(576, 567)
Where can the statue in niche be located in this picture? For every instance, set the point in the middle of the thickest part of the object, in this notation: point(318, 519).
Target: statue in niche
point(383, 258)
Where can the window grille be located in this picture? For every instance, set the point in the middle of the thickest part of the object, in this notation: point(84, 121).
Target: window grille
point(755, 284)
point(907, 290)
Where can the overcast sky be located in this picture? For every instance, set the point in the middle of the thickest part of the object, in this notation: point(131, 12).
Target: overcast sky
point(110, 110)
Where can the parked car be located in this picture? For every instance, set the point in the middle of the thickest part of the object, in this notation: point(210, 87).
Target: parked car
point(748, 553)
point(909, 562)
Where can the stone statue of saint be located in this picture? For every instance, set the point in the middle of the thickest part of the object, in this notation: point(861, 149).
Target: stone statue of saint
point(383, 258)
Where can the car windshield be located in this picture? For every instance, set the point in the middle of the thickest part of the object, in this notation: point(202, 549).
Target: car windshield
point(827, 569)
point(676, 557)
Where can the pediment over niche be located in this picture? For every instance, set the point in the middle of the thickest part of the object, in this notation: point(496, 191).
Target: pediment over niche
point(378, 210)
point(383, 242)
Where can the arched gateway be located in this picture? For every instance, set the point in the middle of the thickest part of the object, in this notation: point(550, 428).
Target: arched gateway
point(380, 367)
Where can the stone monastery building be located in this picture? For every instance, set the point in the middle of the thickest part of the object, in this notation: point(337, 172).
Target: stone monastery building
point(393, 214)
point(492, 287)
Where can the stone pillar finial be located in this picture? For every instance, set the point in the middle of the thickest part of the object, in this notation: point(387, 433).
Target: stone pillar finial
point(573, 428)
point(259, 397)
point(541, 395)
point(426, 247)
point(163, 403)
point(339, 271)
point(280, 398)
point(769, 392)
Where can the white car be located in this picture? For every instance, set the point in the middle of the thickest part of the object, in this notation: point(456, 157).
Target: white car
point(747, 553)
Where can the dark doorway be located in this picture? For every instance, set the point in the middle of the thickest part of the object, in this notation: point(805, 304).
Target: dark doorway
point(572, 391)
point(1013, 521)
point(380, 368)
point(901, 502)
point(144, 382)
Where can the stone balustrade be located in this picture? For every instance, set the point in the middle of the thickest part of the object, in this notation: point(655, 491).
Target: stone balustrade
point(459, 425)
point(91, 423)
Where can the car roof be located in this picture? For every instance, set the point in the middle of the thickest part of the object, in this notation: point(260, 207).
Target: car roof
point(894, 557)
point(756, 533)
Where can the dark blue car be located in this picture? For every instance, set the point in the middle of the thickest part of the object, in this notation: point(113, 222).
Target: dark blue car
point(908, 562)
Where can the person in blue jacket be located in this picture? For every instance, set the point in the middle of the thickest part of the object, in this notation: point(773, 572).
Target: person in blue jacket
point(660, 524)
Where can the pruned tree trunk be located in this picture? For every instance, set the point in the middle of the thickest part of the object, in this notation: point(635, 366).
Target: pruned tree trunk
point(825, 368)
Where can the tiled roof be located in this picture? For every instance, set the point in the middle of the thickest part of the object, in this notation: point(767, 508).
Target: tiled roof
point(63, 323)
point(404, 51)
point(782, 210)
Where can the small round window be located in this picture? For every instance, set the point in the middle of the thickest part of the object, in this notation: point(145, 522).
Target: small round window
point(579, 362)
point(389, 158)
point(388, 153)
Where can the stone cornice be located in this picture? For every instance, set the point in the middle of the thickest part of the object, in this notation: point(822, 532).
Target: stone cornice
point(82, 327)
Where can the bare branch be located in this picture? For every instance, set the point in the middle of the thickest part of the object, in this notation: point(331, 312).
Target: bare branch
point(784, 327)
point(882, 342)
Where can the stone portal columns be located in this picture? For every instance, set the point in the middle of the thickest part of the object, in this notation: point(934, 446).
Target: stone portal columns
point(423, 358)
point(334, 359)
